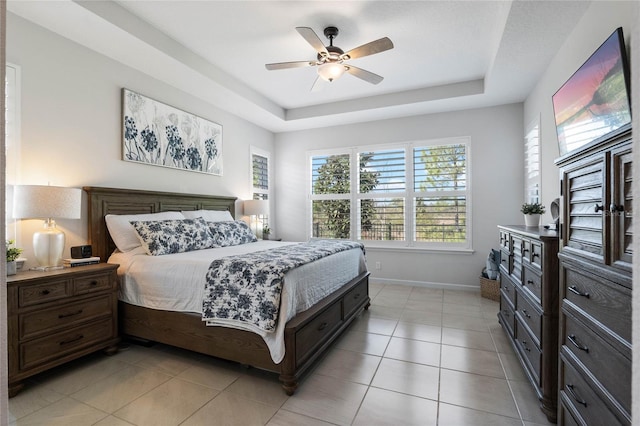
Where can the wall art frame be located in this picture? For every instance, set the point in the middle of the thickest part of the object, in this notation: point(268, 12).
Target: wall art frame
point(158, 134)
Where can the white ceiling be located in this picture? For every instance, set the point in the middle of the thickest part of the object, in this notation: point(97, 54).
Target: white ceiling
point(448, 55)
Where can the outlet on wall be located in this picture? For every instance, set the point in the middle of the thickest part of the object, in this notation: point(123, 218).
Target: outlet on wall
point(378, 266)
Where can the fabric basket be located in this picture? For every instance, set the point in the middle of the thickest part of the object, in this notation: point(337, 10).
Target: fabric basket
point(490, 289)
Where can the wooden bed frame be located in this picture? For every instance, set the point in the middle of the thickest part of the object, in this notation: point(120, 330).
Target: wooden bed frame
point(307, 335)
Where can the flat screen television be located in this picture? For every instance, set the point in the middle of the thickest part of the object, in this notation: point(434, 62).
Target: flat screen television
point(595, 102)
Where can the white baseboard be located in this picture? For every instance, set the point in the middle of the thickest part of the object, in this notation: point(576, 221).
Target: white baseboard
point(426, 284)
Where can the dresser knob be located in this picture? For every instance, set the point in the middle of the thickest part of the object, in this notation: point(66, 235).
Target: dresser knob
point(574, 395)
point(573, 289)
point(572, 338)
point(45, 292)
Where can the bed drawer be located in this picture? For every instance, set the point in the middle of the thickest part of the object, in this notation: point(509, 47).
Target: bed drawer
point(317, 330)
point(354, 298)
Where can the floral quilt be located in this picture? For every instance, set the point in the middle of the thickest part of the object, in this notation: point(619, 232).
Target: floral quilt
point(247, 288)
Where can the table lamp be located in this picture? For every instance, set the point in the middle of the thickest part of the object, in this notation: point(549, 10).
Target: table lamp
point(256, 208)
point(48, 203)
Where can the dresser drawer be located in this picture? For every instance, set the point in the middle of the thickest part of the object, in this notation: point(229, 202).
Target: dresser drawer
point(40, 351)
point(505, 241)
point(610, 367)
point(314, 333)
point(354, 298)
point(603, 300)
point(91, 283)
point(55, 318)
point(506, 315)
point(42, 293)
point(508, 290)
point(529, 350)
point(576, 393)
point(530, 316)
point(565, 418)
point(536, 254)
point(532, 282)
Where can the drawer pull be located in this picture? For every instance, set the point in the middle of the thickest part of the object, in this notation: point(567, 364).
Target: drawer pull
point(572, 339)
point(524, 343)
point(70, 314)
point(526, 314)
point(534, 255)
point(575, 396)
point(72, 340)
point(530, 282)
point(573, 289)
point(45, 292)
point(322, 326)
point(525, 250)
point(613, 208)
point(598, 208)
point(93, 283)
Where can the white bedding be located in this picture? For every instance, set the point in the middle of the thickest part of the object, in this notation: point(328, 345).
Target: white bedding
point(175, 282)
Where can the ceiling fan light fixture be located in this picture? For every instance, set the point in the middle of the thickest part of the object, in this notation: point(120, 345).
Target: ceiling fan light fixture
point(331, 71)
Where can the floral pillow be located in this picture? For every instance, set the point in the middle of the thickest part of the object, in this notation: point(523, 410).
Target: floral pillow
point(231, 233)
point(160, 237)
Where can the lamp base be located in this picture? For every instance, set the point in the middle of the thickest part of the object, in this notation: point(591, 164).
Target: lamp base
point(48, 246)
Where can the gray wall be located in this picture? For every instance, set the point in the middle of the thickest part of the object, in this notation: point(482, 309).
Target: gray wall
point(600, 20)
point(497, 152)
point(71, 121)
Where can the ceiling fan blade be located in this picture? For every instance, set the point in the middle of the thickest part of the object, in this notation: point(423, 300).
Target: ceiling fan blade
point(285, 65)
point(313, 39)
point(364, 75)
point(370, 48)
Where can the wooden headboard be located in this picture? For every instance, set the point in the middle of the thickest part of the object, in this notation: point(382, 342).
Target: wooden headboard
point(104, 201)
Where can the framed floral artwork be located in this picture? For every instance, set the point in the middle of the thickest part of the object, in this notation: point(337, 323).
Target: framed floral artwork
point(161, 135)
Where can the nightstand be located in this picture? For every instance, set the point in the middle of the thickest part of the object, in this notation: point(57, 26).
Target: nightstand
point(57, 316)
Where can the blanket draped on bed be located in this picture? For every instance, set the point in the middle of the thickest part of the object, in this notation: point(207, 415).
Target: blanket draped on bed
point(246, 288)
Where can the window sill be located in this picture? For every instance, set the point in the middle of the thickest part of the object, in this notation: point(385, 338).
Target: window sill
point(462, 251)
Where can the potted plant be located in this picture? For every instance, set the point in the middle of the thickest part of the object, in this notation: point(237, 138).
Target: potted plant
point(12, 254)
point(265, 232)
point(532, 212)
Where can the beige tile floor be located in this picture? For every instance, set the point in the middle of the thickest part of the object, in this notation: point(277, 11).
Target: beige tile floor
point(417, 357)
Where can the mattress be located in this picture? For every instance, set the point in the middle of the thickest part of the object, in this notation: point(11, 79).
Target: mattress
point(176, 282)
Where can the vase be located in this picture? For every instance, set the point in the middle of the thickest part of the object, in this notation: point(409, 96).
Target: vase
point(11, 268)
point(532, 220)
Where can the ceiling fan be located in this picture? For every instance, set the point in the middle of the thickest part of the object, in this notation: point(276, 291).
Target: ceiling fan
point(331, 59)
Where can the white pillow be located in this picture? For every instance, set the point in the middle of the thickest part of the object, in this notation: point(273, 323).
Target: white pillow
point(125, 235)
point(210, 215)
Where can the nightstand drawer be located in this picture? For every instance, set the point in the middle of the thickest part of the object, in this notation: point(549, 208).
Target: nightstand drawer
point(52, 319)
point(98, 282)
point(42, 293)
point(42, 350)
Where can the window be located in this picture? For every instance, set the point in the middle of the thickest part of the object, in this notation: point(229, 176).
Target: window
point(260, 179)
point(260, 175)
point(409, 195)
point(532, 163)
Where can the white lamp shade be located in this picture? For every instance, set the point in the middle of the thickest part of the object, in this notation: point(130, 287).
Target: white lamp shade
point(256, 207)
point(331, 71)
point(41, 202)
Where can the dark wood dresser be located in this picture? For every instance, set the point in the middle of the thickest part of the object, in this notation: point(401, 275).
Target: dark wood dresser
point(529, 306)
point(57, 316)
point(595, 283)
